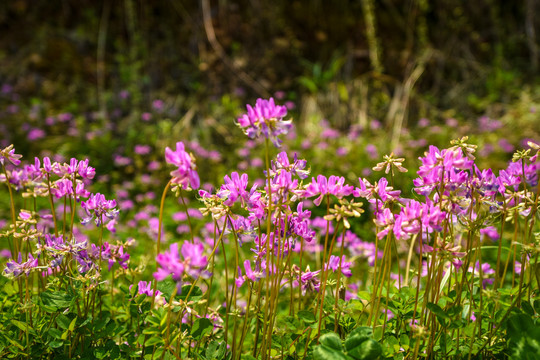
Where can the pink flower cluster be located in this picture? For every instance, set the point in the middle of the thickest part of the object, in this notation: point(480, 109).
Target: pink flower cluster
point(186, 173)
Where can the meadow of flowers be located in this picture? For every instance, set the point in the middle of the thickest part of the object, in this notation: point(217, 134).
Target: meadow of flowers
point(283, 257)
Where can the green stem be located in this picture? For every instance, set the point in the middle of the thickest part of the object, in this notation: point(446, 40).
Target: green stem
point(323, 270)
point(268, 232)
point(187, 214)
point(338, 313)
point(13, 213)
point(52, 205)
point(161, 207)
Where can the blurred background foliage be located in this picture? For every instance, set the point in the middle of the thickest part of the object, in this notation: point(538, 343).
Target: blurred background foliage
point(345, 61)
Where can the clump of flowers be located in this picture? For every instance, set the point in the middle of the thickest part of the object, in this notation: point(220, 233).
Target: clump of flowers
point(192, 262)
point(266, 119)
point(98, 207)
point(186, 173)
point(9, 155)
point(17, 268)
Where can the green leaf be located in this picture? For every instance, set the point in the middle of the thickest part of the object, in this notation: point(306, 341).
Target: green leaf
point(364, 295)
point(247, 357)
point(367, 350)
point(393, 344)
point(72, 324)
point(101, 321)
point(56, 344)
point(23, 326)
point(360, 344)
point(536, 305)
point(523, 336)
point(216, 350)
point(56, 299)
point(329, 349)
point(307, 316)
point(195, 295)
point(201, 327)
point(358, 336)
point(441, 315)
point(520, 325)
point(54, 333)
point(527, 308)
point(100, 352)
point(63, 321)
point(331, 340)
point(168, 286)
point(308, 83)
point(154, 340)
point(404, 341)
point(13, 342)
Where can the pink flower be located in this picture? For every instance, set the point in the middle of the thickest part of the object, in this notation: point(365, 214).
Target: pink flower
point(170, 263)
point(186, 174)
point(9, 154)
point(266, 119)
point(146, 116)
point(322, 186)
point(334, 263)
point(15, 269)
point(142, 149)
point(234, 189)
point(97, 206)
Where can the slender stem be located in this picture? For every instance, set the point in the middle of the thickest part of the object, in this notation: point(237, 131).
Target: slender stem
point(12, 208)
point(244, 325)
point(64, 217)
point(28, 315)
point(187, 214)
point(323, 270)
point(374, 282)
point(212, 260)
point(268, 232)
point(338, 313)
point(72, 203)
point(235, 288)
point(227, 301)
point(160, 225)
point(498, 277)
point(52, 205)
point(300, 276)
point(167, 338)
point(409, 259)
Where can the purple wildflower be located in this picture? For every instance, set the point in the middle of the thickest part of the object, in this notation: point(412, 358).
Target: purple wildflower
point(309, 280)
point(322, 186)
point(416, 217)
point(297, 167)
point(170, 263)
point(97, 206)
point(234, 189)
point(145, 288)
point(250, 274)
point(531, 171)
point(85, 171)
point(486, 271)
point(15, 269)
point(142, 149)
point(9, 154)
point(186, 175)
point(491, 232)
point(299, 224)
point(265, 118)
point(334, 264)
point(378, 192)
